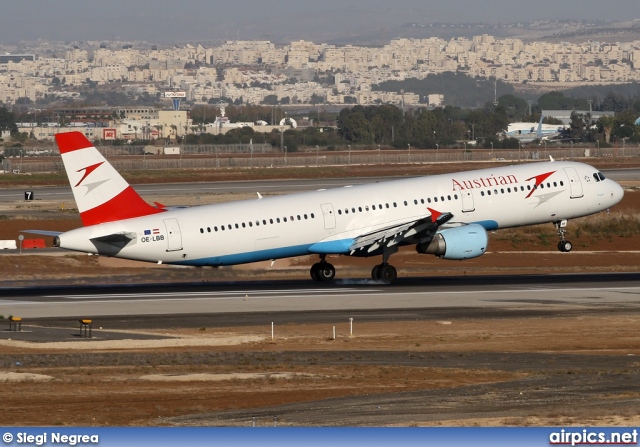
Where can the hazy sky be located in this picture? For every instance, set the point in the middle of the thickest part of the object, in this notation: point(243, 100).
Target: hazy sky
point(166, 21)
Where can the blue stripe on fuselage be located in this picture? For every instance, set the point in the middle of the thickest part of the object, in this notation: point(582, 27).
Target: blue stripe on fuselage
point(488, 225)
point(334, 247)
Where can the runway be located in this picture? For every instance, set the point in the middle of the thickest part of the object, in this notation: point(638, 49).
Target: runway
point(497, 293)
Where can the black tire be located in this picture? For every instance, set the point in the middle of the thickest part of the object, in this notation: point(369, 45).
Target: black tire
point(561, 246)
point(388, 274)
point(313, 271)
point(567, 246)
point(326, 272)
point(375, 272)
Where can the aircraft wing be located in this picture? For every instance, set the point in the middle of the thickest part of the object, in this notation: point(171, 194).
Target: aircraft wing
point(397, 234)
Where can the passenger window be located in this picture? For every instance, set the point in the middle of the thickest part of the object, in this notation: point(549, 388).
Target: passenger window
point(305, 216)
point(395, 205)
point(373, 207)
point(312, 216)
point(360, 208)
point(243, 225)
point(201, 230)
point(405, 203)
point(435, 199)
point(208, 229)
point(270, 221)
point(250, 224)
point(215, 228)
point(284, 219)
point(278, 220)
point(448, 197)
point(237, 226)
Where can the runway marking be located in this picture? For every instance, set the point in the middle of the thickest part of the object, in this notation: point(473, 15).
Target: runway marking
point(271, 295)
point(233, 294)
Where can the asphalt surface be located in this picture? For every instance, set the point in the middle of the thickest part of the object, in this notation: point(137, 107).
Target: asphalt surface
point(146, 306)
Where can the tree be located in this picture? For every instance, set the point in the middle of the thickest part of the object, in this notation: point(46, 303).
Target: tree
point(8, 121)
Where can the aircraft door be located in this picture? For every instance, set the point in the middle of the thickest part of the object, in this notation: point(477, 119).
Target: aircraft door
point(329, 216)
point(174, 238)
point(574, 183)
point(467, 201)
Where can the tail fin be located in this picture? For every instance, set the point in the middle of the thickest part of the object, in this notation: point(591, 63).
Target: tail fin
point(101, 194)
point(539, 131)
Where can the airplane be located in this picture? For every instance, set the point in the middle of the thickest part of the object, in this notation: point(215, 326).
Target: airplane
point(445, 215)
point(526, 133)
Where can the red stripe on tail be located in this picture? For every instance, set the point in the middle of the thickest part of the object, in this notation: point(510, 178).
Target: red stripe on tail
point(72, 141)
point(126, 205)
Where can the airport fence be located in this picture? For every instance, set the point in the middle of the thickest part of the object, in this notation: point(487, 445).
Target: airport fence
point(196, 160)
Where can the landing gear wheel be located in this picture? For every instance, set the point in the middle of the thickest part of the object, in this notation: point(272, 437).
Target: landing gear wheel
point(565, 246)
point(375, 272)
point(387, 274)
point(322, 272)
point(326, 272)
point(313, 271)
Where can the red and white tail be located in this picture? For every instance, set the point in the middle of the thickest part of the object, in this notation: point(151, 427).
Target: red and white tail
point(101, 194)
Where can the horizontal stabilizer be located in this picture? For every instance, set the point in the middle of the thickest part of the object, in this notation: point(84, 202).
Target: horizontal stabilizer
point(43, 232)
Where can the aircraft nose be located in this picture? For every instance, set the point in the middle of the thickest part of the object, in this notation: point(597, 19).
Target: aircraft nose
point(617, 193)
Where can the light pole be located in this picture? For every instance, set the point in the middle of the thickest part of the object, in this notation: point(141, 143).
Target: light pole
point(317, 154)
point(409, 153)
point(349, 146)
point(285, 155)
point(437, 148)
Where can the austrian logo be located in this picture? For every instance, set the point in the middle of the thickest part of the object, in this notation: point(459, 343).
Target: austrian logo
point(498, 180)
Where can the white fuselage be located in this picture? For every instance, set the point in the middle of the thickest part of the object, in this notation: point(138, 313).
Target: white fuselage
point(327, 221)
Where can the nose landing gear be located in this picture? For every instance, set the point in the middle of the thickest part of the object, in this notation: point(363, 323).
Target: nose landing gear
point(564, 245)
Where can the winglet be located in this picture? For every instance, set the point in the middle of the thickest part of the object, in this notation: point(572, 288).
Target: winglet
point(101, 194)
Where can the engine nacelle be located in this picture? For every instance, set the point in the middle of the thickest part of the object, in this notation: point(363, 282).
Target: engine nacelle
point(465, 242)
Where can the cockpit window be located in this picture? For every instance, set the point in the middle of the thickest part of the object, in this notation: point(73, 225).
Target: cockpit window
point(595, 176)
point(602, 177)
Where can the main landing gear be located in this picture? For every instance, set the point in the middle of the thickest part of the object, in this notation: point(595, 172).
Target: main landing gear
point(322, 271)
point(386, 273)
point(564, 245)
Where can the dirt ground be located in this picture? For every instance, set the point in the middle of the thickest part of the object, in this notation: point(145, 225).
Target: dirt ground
point(573, 367)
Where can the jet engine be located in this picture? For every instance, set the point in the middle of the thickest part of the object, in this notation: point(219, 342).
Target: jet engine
point(465, 242)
